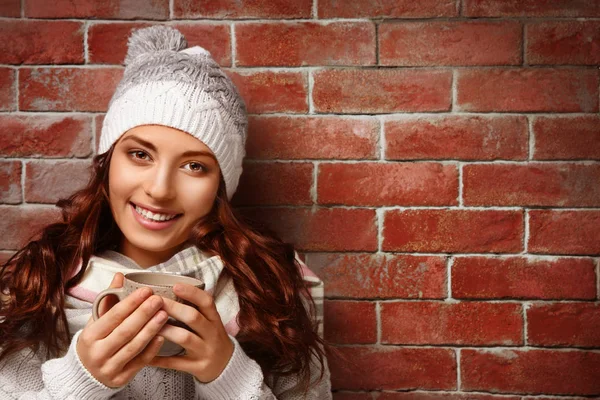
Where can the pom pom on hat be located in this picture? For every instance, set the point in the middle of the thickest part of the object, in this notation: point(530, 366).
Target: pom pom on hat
point(166, 83)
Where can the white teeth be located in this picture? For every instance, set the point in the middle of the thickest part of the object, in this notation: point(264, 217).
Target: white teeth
point(152, 216)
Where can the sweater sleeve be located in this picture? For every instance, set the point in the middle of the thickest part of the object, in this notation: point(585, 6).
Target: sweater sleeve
point(242, 379)
point(26, 376)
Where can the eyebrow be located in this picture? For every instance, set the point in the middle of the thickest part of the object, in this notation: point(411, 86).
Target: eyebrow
point(189, 153)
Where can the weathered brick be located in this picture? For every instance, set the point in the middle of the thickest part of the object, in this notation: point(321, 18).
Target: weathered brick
point(559, 138)
point(564, 324)
point(350, 322)
point(369, 368)
point(8, 92)
point(450, 43)
point(377, 184)
point(23, 223)
point(275, 184)
point(564, 232)
point(271, 137)
point(106, 9)
point(67, 89)
point(41, 42)
point(380, 276)
point(230, 9)
point(49, 181)
point(5, 255)
point(333, 229)
point(453, 230)
point(45, 135)
point(434, 323)
point(531, 371)
point(270, 91)
point(381, 90)
point(386, 9)
point(10, 182)
point(523, 278)
point(107, 42)
point(528, 89)
point(563, 42)
point(10, 8)
point(457, 137)
point(305, 43)
point(443, 396)
point(530, 8)
point(533, 184)
point(98, 120)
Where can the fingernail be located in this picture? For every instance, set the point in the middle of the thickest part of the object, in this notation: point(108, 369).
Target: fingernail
point(156, 302)
point(161, 317)
point(179, 288)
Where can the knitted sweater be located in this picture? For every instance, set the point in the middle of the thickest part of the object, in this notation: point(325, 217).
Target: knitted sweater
point(27, 375)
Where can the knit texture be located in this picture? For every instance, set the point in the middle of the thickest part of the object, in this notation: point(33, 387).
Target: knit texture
point(165, 83)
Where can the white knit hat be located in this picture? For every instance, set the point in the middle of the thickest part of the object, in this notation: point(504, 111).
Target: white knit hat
point(165, 83)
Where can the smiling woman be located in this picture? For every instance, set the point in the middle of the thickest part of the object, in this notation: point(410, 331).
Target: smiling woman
point(169, 160)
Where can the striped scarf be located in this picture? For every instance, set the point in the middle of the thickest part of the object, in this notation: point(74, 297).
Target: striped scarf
point(188, 262)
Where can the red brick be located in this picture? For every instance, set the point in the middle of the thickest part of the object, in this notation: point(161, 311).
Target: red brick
point(568, 324)
point(523, 278)
point(8, 93)
point(470, 323)
point(350, 322)
point(457, 137)
point(377, 184)
point(98, 120)
point(386, 9)
point(305, 43)
point(450, 43)
point(10, 8)
point(563, 42)
point(332, 229)
point(352, 396)
point(41, 42)
point(530, 8)
point(45, 135)
point(559, 138)
point(453, 230)
point(23, 223)
point(269, 92)
point(312, 138)
point(534, 184)
point(531, 371)
point(107, 42)
point(5, 256)
point(443, 396)
point(528, 89)
point(381, 90)
point(275, 184)
point(10, 182)
point(49, 181)
point(564, 232)
point(380, 276)
point(389, 368)
point(232, 9)
point(107, 9)
point(67, 89)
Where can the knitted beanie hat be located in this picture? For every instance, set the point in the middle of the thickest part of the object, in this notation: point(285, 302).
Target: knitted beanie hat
point(166, 83)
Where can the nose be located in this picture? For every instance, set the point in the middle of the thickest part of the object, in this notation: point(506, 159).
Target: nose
point(160, 184)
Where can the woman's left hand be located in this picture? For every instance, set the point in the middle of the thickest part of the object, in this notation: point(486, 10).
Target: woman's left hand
point(208, 348)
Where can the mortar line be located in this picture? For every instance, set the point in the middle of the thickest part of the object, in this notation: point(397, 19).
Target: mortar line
point(233, 45)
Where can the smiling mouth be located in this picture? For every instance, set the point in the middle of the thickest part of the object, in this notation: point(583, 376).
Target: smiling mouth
point(154, 217)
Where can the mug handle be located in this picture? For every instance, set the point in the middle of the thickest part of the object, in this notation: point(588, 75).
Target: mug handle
point(116, 291)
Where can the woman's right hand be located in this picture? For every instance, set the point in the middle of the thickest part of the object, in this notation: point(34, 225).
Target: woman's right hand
point(124, 339)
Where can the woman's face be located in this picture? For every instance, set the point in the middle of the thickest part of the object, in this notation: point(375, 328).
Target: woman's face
point(162, 181)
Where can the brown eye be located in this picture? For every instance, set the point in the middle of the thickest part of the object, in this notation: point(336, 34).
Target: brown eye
point(139, 154)
point(195, 167)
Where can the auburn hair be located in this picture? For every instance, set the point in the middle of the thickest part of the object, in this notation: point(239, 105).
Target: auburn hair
point(276, 328)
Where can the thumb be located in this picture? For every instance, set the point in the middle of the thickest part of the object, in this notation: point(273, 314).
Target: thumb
point(117, 281)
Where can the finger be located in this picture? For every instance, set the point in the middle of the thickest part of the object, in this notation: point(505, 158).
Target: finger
point(132, 325)
point(137, 345)
point(188, 315)
point(191, 342)
point(199, 297)
point(109, 301)
point(145, 357)
point(113, 318)
point(178, 363)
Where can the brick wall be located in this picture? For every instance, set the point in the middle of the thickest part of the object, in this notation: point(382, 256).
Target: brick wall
point(436, 161)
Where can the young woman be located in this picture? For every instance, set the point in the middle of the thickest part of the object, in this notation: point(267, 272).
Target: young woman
point(170, 157)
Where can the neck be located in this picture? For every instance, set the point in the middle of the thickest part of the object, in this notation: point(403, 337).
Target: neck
point(145, 258)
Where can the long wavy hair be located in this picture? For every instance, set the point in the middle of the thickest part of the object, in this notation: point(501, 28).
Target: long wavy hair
point(276, 330)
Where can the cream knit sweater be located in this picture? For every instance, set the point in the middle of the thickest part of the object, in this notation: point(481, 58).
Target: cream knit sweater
point(26, 376)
